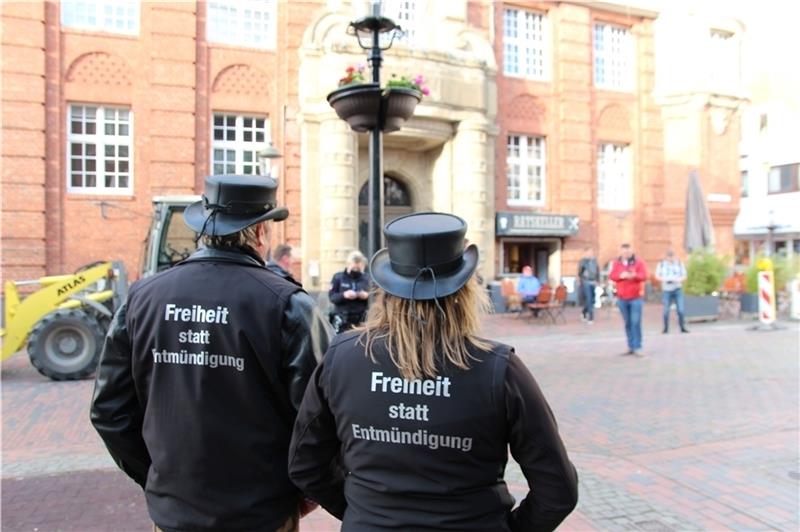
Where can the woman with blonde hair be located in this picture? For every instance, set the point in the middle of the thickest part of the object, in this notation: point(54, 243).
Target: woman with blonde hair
point(407, 422)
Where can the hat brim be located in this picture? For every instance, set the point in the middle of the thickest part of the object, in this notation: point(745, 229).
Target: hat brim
point(385, 277)
point(226, 224)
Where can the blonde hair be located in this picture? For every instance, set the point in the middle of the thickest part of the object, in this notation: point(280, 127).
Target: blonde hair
point(414, 332)
point(356, 257)
point(247, 237)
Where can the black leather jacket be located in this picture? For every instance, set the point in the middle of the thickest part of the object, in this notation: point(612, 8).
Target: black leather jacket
point(201, 375)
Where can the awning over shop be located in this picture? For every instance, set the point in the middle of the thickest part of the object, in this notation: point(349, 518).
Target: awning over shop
point(757, 214)
point(536, 224)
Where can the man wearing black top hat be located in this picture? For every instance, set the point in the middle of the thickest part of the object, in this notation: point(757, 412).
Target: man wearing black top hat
point(203, 370)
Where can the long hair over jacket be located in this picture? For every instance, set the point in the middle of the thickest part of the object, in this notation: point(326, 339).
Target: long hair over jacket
point(415, 333)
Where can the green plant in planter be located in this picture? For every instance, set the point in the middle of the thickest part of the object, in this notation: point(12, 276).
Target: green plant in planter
point(705, 272)
point(416, 83)
point(354, 75)
point(785, 270)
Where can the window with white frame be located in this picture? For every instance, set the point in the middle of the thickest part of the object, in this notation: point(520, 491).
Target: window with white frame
point(114, 16)
point(235, 143)
point(99, 150)
point(406, 14)
point(248, 23)
point(525, 49)
point(613, 57)
point(614, 185)
point(525, 170)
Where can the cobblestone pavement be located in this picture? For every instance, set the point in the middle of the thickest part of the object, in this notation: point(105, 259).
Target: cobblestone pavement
point(700, 434)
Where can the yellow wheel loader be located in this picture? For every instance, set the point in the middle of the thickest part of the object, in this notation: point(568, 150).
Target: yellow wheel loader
point(63, 322)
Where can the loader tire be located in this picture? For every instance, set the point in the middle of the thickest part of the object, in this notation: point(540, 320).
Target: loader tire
point(66, 345)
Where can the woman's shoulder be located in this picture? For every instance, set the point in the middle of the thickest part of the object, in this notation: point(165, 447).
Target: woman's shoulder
point(492, 347)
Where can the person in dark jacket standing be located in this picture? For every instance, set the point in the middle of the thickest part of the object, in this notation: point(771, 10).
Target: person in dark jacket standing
point(407, 422)
point(203, 370)
point(630, 273)
point(281, 262)
point(588, 275)
point(349, 293)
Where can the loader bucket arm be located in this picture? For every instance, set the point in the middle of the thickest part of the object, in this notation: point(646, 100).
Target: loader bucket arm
point(21, 316)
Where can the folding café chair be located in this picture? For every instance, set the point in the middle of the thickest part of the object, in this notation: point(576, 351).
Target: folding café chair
point(541, 306)
point(558, 304)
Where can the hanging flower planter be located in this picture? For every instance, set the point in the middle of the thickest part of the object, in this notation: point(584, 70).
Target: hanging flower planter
point(398, 106)
point(359, 105)
point(366, 105)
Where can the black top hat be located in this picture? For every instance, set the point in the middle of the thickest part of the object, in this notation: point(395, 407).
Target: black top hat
point(233, 202)
point(425, 257)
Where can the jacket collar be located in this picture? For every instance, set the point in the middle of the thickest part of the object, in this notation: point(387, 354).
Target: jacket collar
point(236, 255)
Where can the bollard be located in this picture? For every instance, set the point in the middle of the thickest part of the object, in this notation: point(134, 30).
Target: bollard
point(766, 292)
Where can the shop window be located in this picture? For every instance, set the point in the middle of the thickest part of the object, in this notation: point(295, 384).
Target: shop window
point(99, 150)
point(784, 179)
point(613, 57)
point(525, 170)
point(249, 23)
point(525, 44)
point(614, 177)
point(235, 143)
point(120, 16)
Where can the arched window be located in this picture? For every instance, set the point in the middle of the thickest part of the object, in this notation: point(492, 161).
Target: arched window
point(395, 193)
point(396, 200)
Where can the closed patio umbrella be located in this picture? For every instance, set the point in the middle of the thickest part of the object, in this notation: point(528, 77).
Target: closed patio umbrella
point(698, 230)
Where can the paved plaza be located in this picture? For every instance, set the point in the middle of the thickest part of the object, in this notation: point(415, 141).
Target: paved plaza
point(700, 434)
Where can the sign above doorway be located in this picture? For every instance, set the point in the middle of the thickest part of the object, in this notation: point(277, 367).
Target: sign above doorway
point(528, 224)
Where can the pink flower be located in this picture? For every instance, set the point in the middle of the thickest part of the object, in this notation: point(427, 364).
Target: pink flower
point(425, 91)
point(419, 80)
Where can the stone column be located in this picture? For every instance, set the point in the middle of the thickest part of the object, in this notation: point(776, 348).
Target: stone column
point(338, 196)
point(473, 187)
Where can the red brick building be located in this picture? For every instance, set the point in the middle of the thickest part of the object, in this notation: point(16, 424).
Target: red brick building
point(133, 93)
point(540, 110)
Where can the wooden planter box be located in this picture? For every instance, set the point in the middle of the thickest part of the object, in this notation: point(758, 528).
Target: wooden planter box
point(701, 308)
point(366, 106)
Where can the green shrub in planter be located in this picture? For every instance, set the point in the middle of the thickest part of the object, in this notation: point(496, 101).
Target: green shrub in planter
point(704, 273)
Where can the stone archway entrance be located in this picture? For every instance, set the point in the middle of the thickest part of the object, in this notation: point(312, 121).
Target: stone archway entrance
point(396, 203)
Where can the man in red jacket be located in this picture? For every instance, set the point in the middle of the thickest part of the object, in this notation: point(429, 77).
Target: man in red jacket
point(629, 273)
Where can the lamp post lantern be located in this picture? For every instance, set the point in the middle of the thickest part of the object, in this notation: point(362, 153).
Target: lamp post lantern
point(368, 31)
point(267, 161)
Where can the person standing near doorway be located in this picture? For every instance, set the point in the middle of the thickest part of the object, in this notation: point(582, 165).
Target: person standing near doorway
point(589, 275)
point(630, 273)
point(349, 293)
point(671, 273)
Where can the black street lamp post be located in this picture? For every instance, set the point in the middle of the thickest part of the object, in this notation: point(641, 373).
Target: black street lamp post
point(368, 31)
